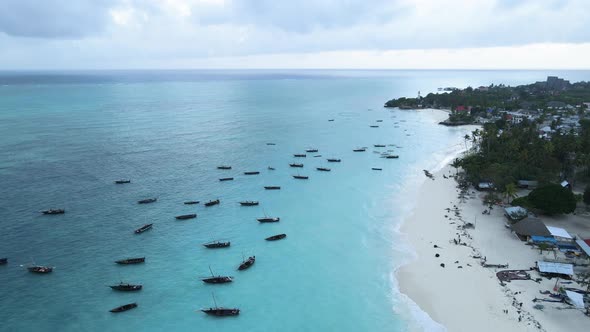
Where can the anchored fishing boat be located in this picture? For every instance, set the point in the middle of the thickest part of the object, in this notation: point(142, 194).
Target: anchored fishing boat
point(359, 150)
point(247, 263)
point(249, 203)
point(226, 179)
point(300, 155)
point(221, 311)
point(311, 150)
point(191, 202)
point(216, 279)
point(276, 237)
point(217, 244)
point(186, 216)
point(223, 167)
point(124, 307)
point(126, 287)
point(122, 181)
point(40, 269)
point(333, 160)
point(296, 165)
point(323, 169)
point(54, 211)
point(147, 201)
point(143, 228)
point(272, 187)
point(251, 173)
point(128, 261)
point(269, 219)
point(211, 203)
point(301, 177)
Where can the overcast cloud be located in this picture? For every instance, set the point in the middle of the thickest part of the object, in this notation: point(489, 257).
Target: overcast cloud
point(162, 33)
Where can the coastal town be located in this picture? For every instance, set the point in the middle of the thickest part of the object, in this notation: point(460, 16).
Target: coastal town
point(519, 224)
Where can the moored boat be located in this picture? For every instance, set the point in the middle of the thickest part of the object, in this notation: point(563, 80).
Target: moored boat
point(300, 155)
point(333, 160)
point(216, 279)
point(124, 307)
point(143, 228)
point(40, 269)
point(226, 179)
point(54, 211)
point(223, 167)
point(251, 173)
point(272, 187)
point(374, 126)
point(249, 203)
point(122, 181)
point(323, 169)
point(359, 150)
point(126, 287)
point(128, 261)
point(247, 263)
point(376, 169)
point(276, 237)
point(392, 156)
point(220, 311)
point(301, 177)
point(379, 120)
point(3, 261)
point(330, 120)
point(186, 216)
point(217, 244)
point(269, 219)
point(271, 168)
point(147, 200)
point(311, 150)
point(296, 165)
point(211, 203)
point(191, 202)
point(270, 144)
point(379, 145)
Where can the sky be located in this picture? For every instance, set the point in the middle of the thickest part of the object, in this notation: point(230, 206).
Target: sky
point(372, 34)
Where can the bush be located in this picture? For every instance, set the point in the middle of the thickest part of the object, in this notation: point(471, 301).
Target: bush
point(522, 201)
point(553, 199)
point(587, 195)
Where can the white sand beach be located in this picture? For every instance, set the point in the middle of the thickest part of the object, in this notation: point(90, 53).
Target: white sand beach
point(463, 295)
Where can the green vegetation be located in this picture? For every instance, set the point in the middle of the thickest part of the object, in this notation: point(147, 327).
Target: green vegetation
point(553, 199)
point(587, 195)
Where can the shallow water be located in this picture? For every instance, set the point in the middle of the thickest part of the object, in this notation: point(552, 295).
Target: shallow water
point(65, 137)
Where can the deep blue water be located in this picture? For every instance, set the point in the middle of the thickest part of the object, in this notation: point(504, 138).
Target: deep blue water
point(65, 137)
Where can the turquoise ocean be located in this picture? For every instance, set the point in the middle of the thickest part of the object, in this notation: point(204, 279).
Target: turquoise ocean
point(66, 136)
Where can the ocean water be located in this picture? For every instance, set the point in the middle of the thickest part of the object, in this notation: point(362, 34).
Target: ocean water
point(66, 136)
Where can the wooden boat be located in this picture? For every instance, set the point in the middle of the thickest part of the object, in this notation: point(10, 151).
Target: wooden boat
point(54, 211)
point(251, 173)
point(249, 203)
point(270, 144)
point(296, 165)
point(216, 244)
point(40, 269)
point(143, 228)
point(221, 311)
point(276, 237)
point(271, 168)
point(186, 216)
point(330, 120)
point(128, 261)
point(376, 169)
point(311, 150)
point(379, 120)
point(323, 169)
point(147, 201)
point(247, 263)
point(3, 261)
point(360, 150)
point(392, 156)
point(299, 155)
point(223, 167)
point(272, 187)
point(124, 307)
point(226, 179)
point(122, 181)
point(269, 219)
point(379, 145)
point(301, 177)
point(211, 203)
point(374, 126)
point(191, 202)
point(333, 160)
point(317, 156)
point(216, 279)
point(126, 287)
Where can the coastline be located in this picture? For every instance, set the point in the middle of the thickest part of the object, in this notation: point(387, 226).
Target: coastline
point(463, 295)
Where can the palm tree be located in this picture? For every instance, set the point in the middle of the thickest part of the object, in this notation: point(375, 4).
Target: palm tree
point(456, 164)
point(510, 192)
point(466, 138)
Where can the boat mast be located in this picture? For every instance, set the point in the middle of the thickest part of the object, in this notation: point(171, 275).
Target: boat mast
point(215, 302)
point(211, 271)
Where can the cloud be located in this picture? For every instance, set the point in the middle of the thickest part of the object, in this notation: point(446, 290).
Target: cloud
point(150, 31)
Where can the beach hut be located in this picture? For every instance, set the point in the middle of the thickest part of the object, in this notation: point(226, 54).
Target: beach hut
point(515, 213)
point(575, 299)
point(560, 234)
point(552, 269)
point(528, 227)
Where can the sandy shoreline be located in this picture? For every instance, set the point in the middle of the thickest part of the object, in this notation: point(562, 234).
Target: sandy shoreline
point(463, 295)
